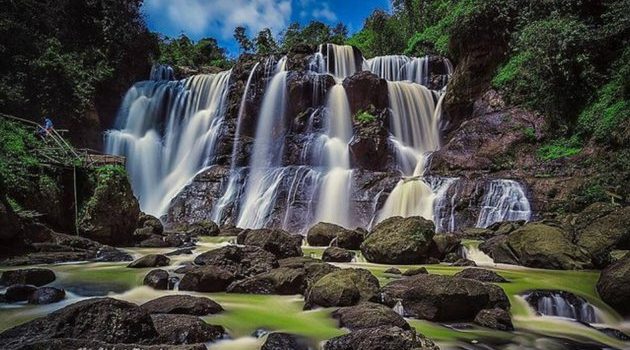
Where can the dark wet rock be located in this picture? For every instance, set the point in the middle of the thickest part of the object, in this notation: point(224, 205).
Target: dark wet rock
point(19, 292)
point(451, 257)
point(482, 275)
point(615, 333)
point(538, 245)
point(399, 240)
point(278, 242)
point(182, 304)
point(157, 279)
point(314, 268)
point(230, 230)
point(349, 239)
point(241, 261)
point(444, 298)
point(365, 89)
point(369, 146)
point(335, 254)
point(101, 319)
point(614, 285)
point(282, 280)
point(415, 271)
point(343, 287)
point(46, 295)
point(185, 329)
point(110, 215)
point(323, 233)
point(173, 281)
point(393, 271)
point(380, 338)
point(286, 341)
point(111, 254)
point(151, 260)
point(174, 239)
point(90, 344)
point(600, 228)
point(496, 318)
point(202, 228)
point(35, 276)
point(147, 225)
point(183, 251)
point(368, 315)
point(154, 241)
point(444, 244)
point(185, 268)
point(208, 279)
point(464, 262)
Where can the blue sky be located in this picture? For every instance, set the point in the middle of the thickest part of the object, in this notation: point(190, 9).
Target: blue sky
point(218, 18)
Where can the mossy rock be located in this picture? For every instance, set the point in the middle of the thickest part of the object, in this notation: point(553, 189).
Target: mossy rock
point(344, 287)
point(399, 240)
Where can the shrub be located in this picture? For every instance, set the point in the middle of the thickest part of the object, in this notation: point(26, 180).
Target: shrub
point(365, 117)
point(560, 148)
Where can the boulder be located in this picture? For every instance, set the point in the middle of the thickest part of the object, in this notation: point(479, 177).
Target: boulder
point(110, 215)
point(393, 271)
point(19, 292)
point(464, 262)
point(185, 329)
point(538, 245)
point(496, 318)
point(366, 90)
point(323, 233)
point(369, 146)
point(278, 242)
point(285, 341)
point(343, 287)
point(282, 280)
point(156, 279)
point(368, 315)
point(444, 298)
point(444, 244)
point(46, 295)
point(182, 251)
point(482, 275)
point(399, 240)
point(203, 228)
point(614, 285)
point(380, 338)
point(35, 276)
point(207, 279)
point(182, 304)
point(415, 271)
point(611, 230)
point(100, 319)
point(151, 260)
point(148, 224)
point(154, 241)
point(241, 261)
point(314, 268)
point(335, 254)
point(90, 344)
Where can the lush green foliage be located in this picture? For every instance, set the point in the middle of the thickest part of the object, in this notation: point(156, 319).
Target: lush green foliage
point(382, 34)
point(365, 117)
point(313, 34)
point(184, 52)
point(18, 164)
point(560, 148)
point(57, 54)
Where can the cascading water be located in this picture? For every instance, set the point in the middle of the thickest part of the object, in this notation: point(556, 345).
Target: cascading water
point(338, 60)
point(267, 153)
point(443, 206)
point(562, 304)
point(161, 72)
point(167, 130)
point(504, 200)
point(399, 68)
point(334, 199)
point(414, 125)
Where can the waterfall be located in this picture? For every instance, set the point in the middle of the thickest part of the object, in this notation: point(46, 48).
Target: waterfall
point(267, 153)
point(562, 304)
point(167, 130)
point(338, 60)
point(334, 199)
point(414, 125)
point(470, 250)
point(443, 206)
point(400, 68)
point(161, 72)
point(504, 200)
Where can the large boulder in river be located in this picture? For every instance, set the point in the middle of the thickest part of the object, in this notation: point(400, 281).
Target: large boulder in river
point(600, 228)
point(242, 261)
point(151, 260)
point(182, 304)
point(482, 275)
point(443, 298)
point(379, 338)
point(336, 254)
point(283, 281)
point(207, 279)
point(46, 295)
point(614, 285)
point(399, 240)
point(101, 319)
point(110, 215)
point(496, 318)
point(324, 234)
point(368, 315)
point(35, 276)
point(343, 287)
point(538, 245)
point(185, 329)
point(146, 226)
point(285, 341)
point(278, 242)
point(156, 279)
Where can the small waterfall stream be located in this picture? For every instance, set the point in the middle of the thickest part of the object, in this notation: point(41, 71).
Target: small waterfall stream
point(505, 200)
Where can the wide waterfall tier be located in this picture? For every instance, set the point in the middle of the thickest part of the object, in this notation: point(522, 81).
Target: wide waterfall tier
point(168, 132)
point(399, 67)
point(504, 200)
point(339, 60)
point(162, 72)
point(562, 304)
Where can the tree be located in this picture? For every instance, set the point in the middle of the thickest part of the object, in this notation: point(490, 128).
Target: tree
point(240, 35)
point(265, 43)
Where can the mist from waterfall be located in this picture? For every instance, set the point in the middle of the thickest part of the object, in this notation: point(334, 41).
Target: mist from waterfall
point(168, 130)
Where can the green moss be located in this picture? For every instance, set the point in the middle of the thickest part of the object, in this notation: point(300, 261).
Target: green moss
point(560, 148)
point(18, 162)
point(364, 117)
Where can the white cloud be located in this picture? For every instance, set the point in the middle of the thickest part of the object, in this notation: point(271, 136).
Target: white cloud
point(325, 13)
point(220, 17)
